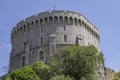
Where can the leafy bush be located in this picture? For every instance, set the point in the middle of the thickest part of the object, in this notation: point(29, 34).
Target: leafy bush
point(61, 77)
point(24, 73)
point(42, 70)
point(35, 71)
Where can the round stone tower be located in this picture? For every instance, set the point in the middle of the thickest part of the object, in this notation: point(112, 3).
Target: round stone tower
point(37, 37)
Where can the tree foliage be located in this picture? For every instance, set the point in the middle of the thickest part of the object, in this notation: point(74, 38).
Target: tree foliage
point(42, 70)
point(35, 71)
point(76, 61)
point(61, 77)
point(24, 73)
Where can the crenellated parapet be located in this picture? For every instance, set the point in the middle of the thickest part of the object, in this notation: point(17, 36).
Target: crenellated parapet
point(53, 17)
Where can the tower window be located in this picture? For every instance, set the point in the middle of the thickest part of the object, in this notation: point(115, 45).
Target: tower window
point(64, 28)
point(23, 61)
point(41, 40)
point(41, 56)
point(65, 38)
point(79, 22)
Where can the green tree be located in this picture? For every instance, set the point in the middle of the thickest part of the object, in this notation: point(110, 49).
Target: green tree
point(35, 71)
point(41, 69)
point(24, 73)
point(77, 61)
point(61, 77)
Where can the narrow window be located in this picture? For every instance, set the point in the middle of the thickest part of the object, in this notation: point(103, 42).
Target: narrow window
point(41, 56)
point(41, 40)
point(65, 38)
point(79, 22)
point(64, 28)
point(23, 61)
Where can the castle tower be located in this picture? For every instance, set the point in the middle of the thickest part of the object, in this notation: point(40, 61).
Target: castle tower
point(38, 36)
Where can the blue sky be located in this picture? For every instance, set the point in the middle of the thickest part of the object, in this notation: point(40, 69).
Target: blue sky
point(104, 14)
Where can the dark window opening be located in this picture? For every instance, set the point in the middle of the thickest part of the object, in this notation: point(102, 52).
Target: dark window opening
point(23, 61)
point(64, 28)
point(41, 56)
point(41, 40)
point(65, 38)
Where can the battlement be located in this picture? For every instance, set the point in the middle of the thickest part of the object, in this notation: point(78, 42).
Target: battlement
point(54, 17)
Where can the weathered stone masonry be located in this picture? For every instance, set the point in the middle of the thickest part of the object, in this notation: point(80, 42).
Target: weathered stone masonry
point(37, 37)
